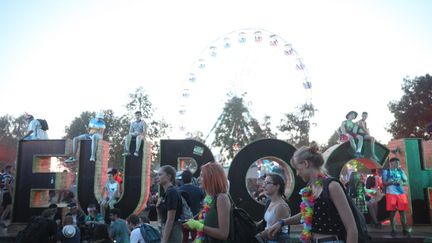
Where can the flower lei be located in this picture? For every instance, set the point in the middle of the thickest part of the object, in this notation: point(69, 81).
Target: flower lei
point(208, 200)
point(306, 209)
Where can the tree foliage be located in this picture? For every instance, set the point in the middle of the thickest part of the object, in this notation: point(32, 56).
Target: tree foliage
point(413, 111)
point(197, 135)
point(12, 129)
point(117, 127)
point(156, 128)
point(297, 125)
point(334, 139)
point(236, 127)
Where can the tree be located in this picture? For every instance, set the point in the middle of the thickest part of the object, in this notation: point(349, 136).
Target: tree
point(79, 125)
point(413, 111)
point(116, 129)
point(297, 125)
point(156, 129)
point(12, 129)
point(334, 139)
point(197, 135)
point(235, 127)
point(262, 130)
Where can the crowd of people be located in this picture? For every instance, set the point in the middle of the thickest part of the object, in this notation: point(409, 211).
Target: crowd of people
point(325, 211)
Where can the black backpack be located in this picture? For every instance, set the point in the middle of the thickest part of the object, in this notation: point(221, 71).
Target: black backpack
point(44, 124)
point(363, 235)
point(244, 229)
point(33, 231)
point(150, 234)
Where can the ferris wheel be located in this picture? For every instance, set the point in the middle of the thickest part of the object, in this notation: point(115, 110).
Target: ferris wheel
point(255, 62)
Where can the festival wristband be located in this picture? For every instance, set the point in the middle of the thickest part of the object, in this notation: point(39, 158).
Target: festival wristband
point(281, 222)
point(195, 225)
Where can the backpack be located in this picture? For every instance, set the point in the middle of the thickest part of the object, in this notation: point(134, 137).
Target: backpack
point(44, 124)
point(186, 209)
point(363, 235)
point(244, 229)
point(150, 234)
point(32, 232)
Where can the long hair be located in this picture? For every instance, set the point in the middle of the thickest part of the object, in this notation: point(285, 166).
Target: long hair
point(213, 178)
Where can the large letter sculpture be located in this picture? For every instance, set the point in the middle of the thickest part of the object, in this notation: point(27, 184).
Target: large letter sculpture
point(34, 178)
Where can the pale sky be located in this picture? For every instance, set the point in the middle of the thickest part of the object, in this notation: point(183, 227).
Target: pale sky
point(59, 58)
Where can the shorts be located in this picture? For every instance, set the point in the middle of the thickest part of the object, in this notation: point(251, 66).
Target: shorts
point(7, 199)
point(396, 202)
point(344, 137)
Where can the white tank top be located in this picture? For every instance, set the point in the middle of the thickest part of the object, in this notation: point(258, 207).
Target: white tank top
point(269, 216)
point(112, 188)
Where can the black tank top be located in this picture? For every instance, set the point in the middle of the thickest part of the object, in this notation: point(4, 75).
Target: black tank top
point(326, 219)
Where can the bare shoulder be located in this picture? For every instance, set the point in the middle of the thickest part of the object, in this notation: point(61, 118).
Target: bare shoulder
point(335, 186)
point(223, 199)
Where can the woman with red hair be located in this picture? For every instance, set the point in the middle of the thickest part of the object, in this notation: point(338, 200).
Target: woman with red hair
point(214, 221)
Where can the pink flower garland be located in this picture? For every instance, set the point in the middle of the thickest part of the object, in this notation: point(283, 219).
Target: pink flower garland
point(208, 200)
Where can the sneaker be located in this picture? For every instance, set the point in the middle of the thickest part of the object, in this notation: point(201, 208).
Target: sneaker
point(393, 233)
point(136, 154)
point(70, 160)
point(92, 159)
point(126, 154)
point(407, 232)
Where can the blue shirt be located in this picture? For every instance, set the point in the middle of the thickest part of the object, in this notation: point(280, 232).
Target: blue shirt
point(196, 196)
point(394, 175)
point(119, 231)
point(95, 125)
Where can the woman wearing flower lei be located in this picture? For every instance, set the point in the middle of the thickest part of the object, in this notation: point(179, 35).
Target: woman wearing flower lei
point(323, 220)
point(213, 224)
